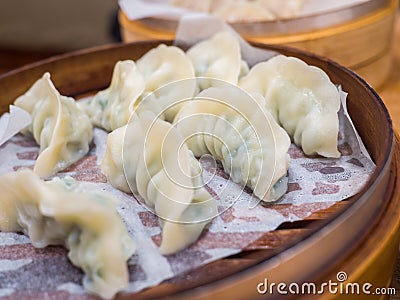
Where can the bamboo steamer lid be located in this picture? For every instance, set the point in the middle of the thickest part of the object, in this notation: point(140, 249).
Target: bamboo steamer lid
point(358, 37)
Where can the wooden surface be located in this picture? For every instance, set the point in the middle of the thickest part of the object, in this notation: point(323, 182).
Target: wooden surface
point(11, 58)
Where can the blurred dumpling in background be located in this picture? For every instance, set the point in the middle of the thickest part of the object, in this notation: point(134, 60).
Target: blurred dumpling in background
point(242, 11)
point(202, 6)
point(283, 9)
point(245, 10)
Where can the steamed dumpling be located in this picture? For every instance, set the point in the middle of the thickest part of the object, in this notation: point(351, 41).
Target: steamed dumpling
point(302, 99)
point(148, 157)
point(203, 6)
point(59, 126)
point(164, 69)
point(217, 57)
point(235, 128)
point(241, 11)
point(153, 83)
point(111, 108)
point(283, 9)
point(245, 10)
point(76, 215)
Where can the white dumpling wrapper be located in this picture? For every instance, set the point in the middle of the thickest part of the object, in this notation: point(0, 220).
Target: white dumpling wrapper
point(111, 108)
point(242, 11)
point(76, 215)
point(302, 99)
point(202, 6)
point(218, 57)
point(245, 10)
point(236, 129)
point(59, 126)
point(165, 69)
point(149, 158)
point(283, 9)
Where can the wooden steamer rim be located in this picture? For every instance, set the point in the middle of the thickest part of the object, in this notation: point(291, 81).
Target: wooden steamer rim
point(358, 37)
point(283, 27)
point(90, 70)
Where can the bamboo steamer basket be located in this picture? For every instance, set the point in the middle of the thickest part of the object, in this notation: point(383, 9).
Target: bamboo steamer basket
point(358, 37)
point(358, 236)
